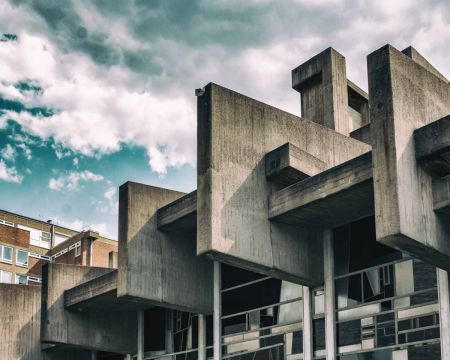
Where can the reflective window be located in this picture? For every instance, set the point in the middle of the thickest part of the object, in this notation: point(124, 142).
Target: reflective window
point(22, 258)
point(6, 253)
point(5, 277)
point(22, 279)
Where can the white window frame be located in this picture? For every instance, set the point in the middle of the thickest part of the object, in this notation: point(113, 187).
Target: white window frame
point(39, 256)
point(2, 250)
point(78, 249)
point(25, 265)
point(35, 279)
point(2, 273)
point(17, 279)
point(6, 222)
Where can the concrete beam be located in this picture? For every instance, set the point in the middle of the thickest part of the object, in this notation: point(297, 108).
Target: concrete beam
point(100, 290)
point(334, 197)
point(432, 146)
point(179, 214)
point(159, 267)
point(404, 97)
point(419, 59)
point(288, 164)
point(234, 135)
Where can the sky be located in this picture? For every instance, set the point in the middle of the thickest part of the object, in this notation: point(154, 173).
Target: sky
point(97, 93)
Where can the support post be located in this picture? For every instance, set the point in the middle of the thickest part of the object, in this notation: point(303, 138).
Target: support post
point(217, 312)
point(140, 335)
point(169, 331)
point(328, 254)
point(444, 312)
point(201, 337)
point(93, 355)
point(307, 324)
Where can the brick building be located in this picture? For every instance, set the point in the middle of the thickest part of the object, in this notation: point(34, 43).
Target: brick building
point(26, 244)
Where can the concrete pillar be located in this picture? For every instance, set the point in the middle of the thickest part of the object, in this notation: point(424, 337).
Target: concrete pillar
point(169, 331)
point(201, 337)
point(140, 335)
point(328, 254)
point(444, 312)
point(307, 324)
point(217, 312)
point(93, 355)
point(128, 357)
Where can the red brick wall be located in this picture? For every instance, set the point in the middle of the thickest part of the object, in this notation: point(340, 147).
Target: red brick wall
point(101, 250)
point(14, 236)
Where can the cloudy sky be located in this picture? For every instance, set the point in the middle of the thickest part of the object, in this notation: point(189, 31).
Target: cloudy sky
point(95, 93)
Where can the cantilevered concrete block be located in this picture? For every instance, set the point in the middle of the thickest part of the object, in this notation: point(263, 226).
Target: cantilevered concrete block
point(405, 96)
point(322, 82)
point(97, 330)
point(441, 195)
point(158, 267)
point(432, 145)
point(289, 164)
point(234, 135)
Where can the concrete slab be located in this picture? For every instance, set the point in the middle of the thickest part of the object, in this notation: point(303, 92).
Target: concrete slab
point(332, 198)
point(234, 135)
point(405, 96)
point(179, 215)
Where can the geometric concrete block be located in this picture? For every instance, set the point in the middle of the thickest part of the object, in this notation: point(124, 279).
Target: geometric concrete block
point(288, 164)
point(405, 96)
point(158, 267)
point(180, 214)
point(234, 135)
point(432, 145)
point(97, 330)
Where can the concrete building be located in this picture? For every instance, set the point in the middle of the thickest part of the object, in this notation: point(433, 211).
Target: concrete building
point(325, 236)
point(26, 244)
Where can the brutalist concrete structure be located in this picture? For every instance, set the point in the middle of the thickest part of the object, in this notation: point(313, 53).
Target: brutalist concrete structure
point(325, 236)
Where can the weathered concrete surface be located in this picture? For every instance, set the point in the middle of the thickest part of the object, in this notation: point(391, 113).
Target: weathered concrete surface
point(322, 82)
point(332, 198)
point(441, 195)
point(234, 135)
point(419, 59)
point(97, 330)
point(20, 322)
point(288, 164)
point(159, 267)
point(180, 214)
point(405, 96)
point(432, 145)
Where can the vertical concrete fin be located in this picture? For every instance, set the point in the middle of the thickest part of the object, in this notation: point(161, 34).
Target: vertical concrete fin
point(322, 82)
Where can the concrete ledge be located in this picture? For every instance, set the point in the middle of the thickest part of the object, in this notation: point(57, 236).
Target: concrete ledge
point(92, 292)
point(432, 146)
point(441, 195)
point(336, 196)
point(180, 214)
point(288, 164)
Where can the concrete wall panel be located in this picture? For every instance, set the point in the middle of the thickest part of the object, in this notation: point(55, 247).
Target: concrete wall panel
point(98, 330)
point(159, 267)
point(234, 135)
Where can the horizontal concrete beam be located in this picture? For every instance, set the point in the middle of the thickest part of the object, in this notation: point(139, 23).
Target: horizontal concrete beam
point(432, 146)
point(180, 214)
point(288, 164)
point(91, 292)
point(441, 195)
point(334, 197)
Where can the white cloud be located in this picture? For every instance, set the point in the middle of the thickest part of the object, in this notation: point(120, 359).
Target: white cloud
point(25, 150)
point(8, 153)
point(75, 162)
point(9, 174)
point(80, 225)
point(71, 181)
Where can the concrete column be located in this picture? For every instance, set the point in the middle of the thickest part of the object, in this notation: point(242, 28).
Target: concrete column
point(128, 357)
point(307, 324)
point(444, 312)
point(328, 260)
point(217, 312)
point(169, 331)
point(93, 355)
point(201, 337)
point(140, 335)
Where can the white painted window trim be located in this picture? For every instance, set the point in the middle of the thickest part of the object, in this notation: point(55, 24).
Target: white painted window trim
point(2, 247)
point(17, 257)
